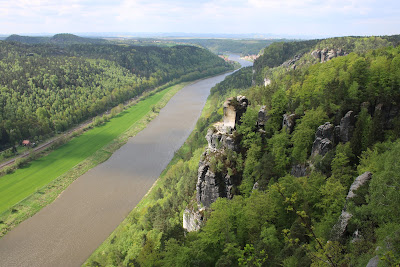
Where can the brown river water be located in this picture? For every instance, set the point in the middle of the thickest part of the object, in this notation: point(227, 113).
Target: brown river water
point(66, 232)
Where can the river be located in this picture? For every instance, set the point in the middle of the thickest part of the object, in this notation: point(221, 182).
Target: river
point(66, 232)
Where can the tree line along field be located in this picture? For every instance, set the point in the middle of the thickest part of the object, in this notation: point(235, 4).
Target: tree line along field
point(47, 88)
point(23, 182)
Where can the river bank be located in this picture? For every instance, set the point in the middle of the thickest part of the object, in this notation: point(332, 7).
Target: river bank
point(91, 207)
point(159, 212)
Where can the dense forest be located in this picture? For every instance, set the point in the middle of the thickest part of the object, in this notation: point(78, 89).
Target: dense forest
point(62, 39)
point(243, 46)
point(315, 167)
point(217, 46)
point(47, 88)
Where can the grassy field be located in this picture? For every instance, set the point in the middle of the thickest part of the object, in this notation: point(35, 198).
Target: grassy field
point(31, 178)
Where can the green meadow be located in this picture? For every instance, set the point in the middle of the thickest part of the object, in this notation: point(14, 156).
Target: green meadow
point(29, 179)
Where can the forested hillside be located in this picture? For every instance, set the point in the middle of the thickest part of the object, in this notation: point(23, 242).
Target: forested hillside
point(243, 47)
point(217, 46)
point(61, 39)
point(312, 166)
point(47, 88)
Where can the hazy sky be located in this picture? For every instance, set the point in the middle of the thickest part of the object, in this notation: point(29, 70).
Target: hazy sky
point(293, 17)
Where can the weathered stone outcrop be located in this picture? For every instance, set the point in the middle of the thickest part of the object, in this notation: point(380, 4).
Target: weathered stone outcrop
point(346, 127)
point(323, 139)
point(373, 262)
point(234, 107)
point(267, 81)
point(289, 121)
point(358, 182)
point(212, 184)
point(340, 227)
point(387, 115)
point(299, 170)
point(220, 137)
point(326, 54)
point(262, 116)
point(192, 219)
point(291, 63)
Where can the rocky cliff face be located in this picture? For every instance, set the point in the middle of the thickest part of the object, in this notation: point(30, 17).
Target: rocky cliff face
point(212, 184)
point(220, 137)
point(192, 219)
point(289, 121)
point(234, 107)
point(340, 227)
point(291, 63)
point(326, 54)
point(323, 139)
point(346, 127)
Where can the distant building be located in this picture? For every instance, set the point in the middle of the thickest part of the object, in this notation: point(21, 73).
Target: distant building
point(26, 143)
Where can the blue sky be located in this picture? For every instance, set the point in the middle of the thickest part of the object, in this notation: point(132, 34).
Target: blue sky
point(289, 17)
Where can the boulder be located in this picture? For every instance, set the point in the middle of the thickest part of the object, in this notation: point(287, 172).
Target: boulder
point(373, 262)
point(323, 139)
point(346, 127)
point(267, 81)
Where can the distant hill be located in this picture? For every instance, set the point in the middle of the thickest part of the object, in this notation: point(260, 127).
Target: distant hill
point(66, 38)
point(59, 39)
point(27, 39)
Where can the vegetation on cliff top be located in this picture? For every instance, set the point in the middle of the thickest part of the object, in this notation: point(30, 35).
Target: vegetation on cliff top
point(288, 220)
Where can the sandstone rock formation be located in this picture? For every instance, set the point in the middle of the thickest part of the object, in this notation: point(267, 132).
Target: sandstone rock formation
point(323, 139)
point(373, 262)
point(192, 219)
point(234, 107)
point(212, 184)
point(220, 137)
point(291, 63)
point(346, 127)
point(340, 227)
point(267, 81)
point(289, 121)
point(262, 116)
point(299, 170)
point(326, 54)
point(358, 182)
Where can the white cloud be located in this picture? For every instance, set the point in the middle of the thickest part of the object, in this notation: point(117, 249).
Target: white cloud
point(233, 16)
